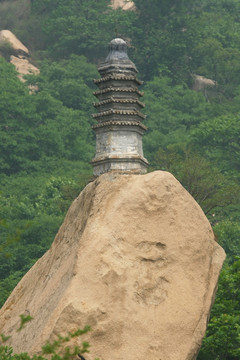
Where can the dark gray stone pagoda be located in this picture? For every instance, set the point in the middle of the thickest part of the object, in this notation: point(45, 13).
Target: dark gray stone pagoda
point(119, 129)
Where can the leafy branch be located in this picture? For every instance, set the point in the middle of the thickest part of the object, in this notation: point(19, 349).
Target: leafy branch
point(55, 349)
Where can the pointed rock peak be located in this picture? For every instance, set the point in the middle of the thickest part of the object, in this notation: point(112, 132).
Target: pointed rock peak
point(135, 259)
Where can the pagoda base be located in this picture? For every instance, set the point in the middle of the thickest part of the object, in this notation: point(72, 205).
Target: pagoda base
point(137, 165)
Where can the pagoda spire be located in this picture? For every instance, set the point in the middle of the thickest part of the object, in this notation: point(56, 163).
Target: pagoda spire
point(119, 127)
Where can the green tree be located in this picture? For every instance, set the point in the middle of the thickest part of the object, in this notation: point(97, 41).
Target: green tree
point(219, 139)
point(165, 35)
point(211, 189)
point(37, 129)
point(171, 111)
point(220, 64)
point(59, 349)
point(222, 340)
point(228, 234)
point(77, 27)
point(17, 146)
point(70, 81)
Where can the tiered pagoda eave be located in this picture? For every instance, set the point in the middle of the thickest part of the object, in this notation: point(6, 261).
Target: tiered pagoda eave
point(119, 127)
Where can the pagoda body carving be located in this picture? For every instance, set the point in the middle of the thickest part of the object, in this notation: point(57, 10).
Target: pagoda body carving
point(119, 127)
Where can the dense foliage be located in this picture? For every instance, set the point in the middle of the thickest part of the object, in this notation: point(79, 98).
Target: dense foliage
point(46, 141)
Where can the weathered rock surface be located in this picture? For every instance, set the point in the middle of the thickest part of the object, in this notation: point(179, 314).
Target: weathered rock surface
point(23, 67)
point(201, 83)
point(136, 259)
point(20, 55)
point(123, 4)
point(15, 43)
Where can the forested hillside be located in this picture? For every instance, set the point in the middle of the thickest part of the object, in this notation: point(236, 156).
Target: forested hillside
point(46, 140)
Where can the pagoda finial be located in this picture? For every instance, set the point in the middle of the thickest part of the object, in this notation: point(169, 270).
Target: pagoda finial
point(117, 50)
point(117, 60)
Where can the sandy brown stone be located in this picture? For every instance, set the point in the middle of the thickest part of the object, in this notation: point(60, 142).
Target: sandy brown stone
point(136, 259)
point(20, 59)
point(16, 44)
point(201, 83)
point(23, 67)
point(123, 4)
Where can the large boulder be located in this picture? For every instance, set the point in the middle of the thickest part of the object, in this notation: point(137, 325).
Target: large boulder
point(200, 83)
point(136, 260)
point(6, 36)
point(123, 4)
point(18, 55)
point(23, 67)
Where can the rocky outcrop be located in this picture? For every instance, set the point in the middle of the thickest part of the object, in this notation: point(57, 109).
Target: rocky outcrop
point(200, 83)
point(123, 4)
point(136, 259)
point(23, 66)
point(18, 54)
point(16, 45)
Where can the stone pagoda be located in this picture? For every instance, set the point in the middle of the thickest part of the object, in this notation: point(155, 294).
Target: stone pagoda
point(119, 127)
